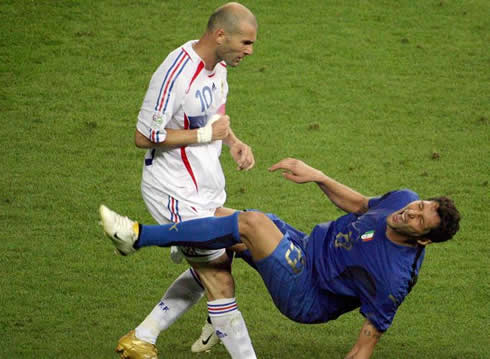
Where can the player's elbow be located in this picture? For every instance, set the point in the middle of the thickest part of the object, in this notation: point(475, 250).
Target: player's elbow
point(362, 205)
point(141, 141)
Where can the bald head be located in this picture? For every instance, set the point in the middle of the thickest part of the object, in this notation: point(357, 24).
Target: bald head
point(230, 16)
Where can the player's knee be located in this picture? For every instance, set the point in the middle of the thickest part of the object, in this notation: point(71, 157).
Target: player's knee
point(249, 222)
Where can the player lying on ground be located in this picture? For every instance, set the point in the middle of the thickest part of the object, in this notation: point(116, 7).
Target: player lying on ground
point(369, 258)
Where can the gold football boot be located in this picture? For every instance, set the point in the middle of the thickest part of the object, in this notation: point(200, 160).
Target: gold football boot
point(130, 347)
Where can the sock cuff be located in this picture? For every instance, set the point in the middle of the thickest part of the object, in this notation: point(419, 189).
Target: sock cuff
point(222, 306)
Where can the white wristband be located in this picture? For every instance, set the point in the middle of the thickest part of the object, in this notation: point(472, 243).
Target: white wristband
point(205, 134)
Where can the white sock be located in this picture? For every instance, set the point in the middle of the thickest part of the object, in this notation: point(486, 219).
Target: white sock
point(182, 294)
point(230, 328)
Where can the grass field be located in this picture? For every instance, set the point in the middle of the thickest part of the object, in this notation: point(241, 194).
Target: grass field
point(379, 94)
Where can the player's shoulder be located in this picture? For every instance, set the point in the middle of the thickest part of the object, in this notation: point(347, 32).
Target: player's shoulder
point(181, 61)
point(400, 194)
point(396, 197)
point(406, 194)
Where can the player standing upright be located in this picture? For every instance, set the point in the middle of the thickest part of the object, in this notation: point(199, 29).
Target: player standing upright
point(182, 174)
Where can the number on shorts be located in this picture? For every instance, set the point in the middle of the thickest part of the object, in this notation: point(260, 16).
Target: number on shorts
point(298, 258)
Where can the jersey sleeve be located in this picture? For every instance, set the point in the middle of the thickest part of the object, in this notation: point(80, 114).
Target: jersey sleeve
point(163, 98)
point(380, 311)
point(404, 195)
point(374, 201)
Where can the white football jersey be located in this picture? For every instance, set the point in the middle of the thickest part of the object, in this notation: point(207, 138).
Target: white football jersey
point(184, 95)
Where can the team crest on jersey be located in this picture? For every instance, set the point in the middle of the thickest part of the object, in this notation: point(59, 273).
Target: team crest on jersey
point(366, 237)
point(158, 118)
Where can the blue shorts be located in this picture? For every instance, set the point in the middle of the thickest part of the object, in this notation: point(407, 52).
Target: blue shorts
point(289, 278)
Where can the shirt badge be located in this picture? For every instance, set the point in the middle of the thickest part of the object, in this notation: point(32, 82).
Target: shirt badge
point(366, 237)
point(158, 118)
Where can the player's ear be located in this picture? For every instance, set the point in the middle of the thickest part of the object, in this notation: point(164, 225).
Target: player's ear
point(423, 241)
point(219, 35)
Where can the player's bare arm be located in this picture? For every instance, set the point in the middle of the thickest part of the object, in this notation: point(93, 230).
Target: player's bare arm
point(364, 347)
point(240, 152)
point(218, 130)
point(174, 138)
point(342, 196)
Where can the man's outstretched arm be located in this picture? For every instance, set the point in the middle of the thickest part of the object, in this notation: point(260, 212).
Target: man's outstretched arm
point(364, 347)
point(342, 196)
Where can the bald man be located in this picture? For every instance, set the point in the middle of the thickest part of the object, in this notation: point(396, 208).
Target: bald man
point(182, 124)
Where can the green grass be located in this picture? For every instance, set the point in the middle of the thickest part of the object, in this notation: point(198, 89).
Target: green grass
point(378, 94)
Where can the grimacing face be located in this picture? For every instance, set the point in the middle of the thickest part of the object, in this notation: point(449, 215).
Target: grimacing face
point(415, 219)
point(238, 45)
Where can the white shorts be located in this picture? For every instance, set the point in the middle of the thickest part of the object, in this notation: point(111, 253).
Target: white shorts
point(166, 209)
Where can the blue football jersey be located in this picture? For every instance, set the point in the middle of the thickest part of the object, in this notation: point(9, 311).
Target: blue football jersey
point(352, 257)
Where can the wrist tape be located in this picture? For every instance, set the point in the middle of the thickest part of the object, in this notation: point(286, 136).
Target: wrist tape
point(205, 134)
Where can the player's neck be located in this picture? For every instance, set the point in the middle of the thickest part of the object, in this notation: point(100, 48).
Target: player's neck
point(400, 239)
point(206, 53)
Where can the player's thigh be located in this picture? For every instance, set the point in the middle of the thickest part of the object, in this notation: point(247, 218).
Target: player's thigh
point(286, 276)
point(259, 233)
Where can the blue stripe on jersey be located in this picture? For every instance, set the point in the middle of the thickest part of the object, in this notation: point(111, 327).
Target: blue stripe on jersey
point(173, 81)
point(165, 79)
point(197, 121)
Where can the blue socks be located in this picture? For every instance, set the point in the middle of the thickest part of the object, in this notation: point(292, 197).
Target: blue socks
point(207, 233)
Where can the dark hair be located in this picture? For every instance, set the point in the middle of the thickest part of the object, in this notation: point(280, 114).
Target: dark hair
point(450, 217)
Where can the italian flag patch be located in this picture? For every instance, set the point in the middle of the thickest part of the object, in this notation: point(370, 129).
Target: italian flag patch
point(367, 236)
